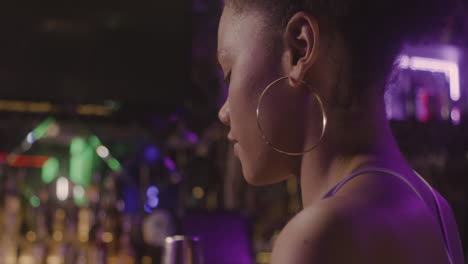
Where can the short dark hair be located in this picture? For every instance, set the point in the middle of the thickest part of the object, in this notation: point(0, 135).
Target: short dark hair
point(374, 31)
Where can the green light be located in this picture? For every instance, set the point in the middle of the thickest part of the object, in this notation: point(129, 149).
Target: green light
point(77, 146)
point(41, 129)
point(81, 201)
point(114, 164)
point(94, 141)
point(27, 191)
point(50, 170)
point(79, 196)
point(35, 202)
point(81, 161)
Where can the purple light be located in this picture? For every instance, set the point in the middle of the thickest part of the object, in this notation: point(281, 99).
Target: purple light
point(213, 230)
point(152, 191)
point(173, 118)
point(450, 69)
point(147, 209)
point(169, 163)
point(131, 199)
point(455, 115)
point(191, 137)
point(153, 202)
point(404, 62)
point(152, 154)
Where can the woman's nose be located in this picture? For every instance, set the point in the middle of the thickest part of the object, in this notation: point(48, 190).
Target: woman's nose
point(223, 114)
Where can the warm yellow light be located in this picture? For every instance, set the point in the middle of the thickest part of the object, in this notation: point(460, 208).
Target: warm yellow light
point(60, 213)
point(198, 192)
point(291, 185)
point(113, 260)
point(14, 106)
point(94, 110)
point(294, 205)
point(146, 260)
point(83, 214)
point(54, 259)
point(263, 257)
point(212, 200)
point(23, 106)
point(58, 236)
point(128, 260)
point(107, 237)
point(83, 236)
point(10, 259)
point(31, 236)
point(25, 259)
point(39, 107)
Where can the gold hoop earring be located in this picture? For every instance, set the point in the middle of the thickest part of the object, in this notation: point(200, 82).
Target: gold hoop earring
point(322, 109)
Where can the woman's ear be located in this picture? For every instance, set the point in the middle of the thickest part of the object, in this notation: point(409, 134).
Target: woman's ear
point(302, 41)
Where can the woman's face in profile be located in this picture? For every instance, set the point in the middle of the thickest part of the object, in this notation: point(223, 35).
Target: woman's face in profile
point(249, 64)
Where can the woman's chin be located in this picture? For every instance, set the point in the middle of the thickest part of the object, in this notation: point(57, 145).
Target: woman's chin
point(268, 167)
point(260, 179)
point(255, 182)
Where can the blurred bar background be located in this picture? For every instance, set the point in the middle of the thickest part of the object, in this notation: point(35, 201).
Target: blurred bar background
point(110, 140)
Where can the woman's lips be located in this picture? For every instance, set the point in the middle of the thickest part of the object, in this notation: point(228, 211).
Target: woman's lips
point(231, 138)
point(236, 146)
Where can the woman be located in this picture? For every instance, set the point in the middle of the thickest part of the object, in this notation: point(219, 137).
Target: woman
point(306, 81)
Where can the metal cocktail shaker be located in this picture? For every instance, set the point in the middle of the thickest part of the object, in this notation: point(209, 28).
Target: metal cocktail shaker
point(182, 250)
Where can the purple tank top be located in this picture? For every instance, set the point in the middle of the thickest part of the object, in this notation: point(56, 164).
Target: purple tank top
point(440, 217)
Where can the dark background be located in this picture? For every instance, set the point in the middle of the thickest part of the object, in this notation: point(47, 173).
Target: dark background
point(133, 52)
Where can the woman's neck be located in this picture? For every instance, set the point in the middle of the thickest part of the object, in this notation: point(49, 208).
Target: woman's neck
point(348, 146)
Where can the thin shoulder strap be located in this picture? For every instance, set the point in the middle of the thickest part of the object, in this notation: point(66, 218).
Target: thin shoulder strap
point(337, 187)
point(440, 216)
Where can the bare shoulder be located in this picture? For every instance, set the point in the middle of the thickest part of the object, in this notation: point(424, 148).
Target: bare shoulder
point(314, 235)
point(353, 232)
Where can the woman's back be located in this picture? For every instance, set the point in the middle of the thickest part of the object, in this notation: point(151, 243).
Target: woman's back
point(378, 219)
